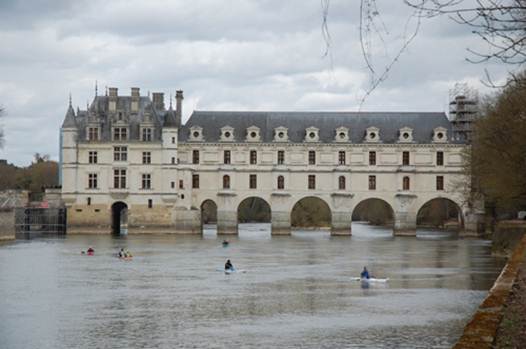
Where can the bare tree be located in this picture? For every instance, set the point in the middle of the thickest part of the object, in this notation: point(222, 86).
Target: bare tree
point(499, 23)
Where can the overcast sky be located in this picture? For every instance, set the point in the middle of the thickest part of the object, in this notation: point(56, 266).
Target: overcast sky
point(225, 55)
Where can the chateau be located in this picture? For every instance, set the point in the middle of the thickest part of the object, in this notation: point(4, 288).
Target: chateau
point(129, 162)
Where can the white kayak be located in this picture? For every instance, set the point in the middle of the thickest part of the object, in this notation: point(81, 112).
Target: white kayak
point(370, 279)
point(231, 271)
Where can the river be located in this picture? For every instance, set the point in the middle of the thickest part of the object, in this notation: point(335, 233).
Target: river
point(296, 293)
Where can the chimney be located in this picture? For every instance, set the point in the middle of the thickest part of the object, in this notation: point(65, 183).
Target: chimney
point(113, 91)
point(112, 100)
point(179, 106)
point(135, 93)
point(158, 100)
point(135, 97)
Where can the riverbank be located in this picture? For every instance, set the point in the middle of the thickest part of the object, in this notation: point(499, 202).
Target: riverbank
point(501, 318)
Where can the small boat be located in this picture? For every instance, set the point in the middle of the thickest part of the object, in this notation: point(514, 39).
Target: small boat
point(126, 258)
point(369, 280)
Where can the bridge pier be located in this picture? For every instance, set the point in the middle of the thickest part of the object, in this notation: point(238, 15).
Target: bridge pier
point(227, 223)
point(405, 224)
point(341, 224)
point(280, 223)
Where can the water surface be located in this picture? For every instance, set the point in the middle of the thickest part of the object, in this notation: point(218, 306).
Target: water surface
point(296, 292)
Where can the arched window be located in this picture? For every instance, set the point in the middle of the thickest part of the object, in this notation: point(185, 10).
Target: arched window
point(406, 183)
point(281, 182)
point(226, 182)
point(341, 183)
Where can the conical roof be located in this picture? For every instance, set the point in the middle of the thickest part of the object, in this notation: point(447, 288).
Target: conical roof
point(170, 119)
point(69, 119)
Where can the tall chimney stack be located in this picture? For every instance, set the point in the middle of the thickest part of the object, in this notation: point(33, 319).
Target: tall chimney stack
point(158, 100)
point(179, 106)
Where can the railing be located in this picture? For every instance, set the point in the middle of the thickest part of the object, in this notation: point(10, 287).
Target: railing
point(40, 220)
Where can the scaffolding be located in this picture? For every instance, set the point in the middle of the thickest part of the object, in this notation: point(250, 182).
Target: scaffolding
point(40, 221)
point(463, 110)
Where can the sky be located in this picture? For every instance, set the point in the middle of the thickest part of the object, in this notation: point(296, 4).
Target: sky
point(225, 55)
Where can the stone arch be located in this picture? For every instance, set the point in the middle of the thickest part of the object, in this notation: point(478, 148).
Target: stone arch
point(311, 212)
point(208, 212)
point(376, 211)
point(440, 212)
point(119, 218)
point(253, 209)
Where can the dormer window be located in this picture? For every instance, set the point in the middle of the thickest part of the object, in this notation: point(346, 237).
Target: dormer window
point(147, 134)
point(312, 134)
point(196, 133)
point(227, 134)
point(253, 134)
point(93, 134)
point(406, 135)
point(120, 115)
point(281, 134)
point(120, 133)
point(342, 134)
point(372, 134)
point(440, 135)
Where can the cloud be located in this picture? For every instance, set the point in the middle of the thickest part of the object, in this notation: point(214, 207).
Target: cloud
point(235, 55)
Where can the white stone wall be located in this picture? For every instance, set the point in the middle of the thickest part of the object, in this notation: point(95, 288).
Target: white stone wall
point(174, 206)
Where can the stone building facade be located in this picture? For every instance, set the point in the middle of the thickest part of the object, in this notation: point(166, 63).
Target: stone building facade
point(128, 162)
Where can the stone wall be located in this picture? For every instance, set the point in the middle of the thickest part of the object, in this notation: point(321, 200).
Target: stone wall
point(7, 224)
point(480, 332)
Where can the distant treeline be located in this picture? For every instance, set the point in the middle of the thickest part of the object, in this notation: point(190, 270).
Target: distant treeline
point(40, 174)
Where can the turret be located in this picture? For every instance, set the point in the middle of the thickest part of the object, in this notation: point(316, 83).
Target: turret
point(68, 140)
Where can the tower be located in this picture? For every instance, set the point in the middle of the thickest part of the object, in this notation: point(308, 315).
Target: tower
point(68, 149)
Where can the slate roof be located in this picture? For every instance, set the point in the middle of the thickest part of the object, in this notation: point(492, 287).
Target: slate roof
point(389, 124)
point(69, 119)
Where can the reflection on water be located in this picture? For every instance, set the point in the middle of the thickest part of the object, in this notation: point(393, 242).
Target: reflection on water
point(297, 291)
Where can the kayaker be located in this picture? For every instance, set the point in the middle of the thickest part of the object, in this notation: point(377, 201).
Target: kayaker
point(228, 265)
point(90, 250)
point(225, 243)
point(122, 254)
point(364, 274)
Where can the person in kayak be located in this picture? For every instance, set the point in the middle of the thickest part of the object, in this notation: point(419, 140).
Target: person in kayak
point(228, 265)
point(90, 251)
point(364, 274)
point(122, 253)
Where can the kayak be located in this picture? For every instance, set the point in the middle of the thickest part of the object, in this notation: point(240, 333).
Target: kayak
point(125, 258)
point(370, 279)
point(231, 271)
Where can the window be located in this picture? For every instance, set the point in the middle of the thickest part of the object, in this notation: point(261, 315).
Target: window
point(120, 133)
point(93, 133)
point(173, 140)
point(147, 134)
point(405, 158)
point(172, 184)
point(372, 158)
point(226, 157)
point(406, 183)
point(92, 181)
point(150, 203)
point(195, 157)
point(181, 184)
point(440, 182)
point(281, 182)
point(226, 182)
point(341, 157)
point(89, 201)
point(92, 157)
point(119, 178)
point(120, 154)
point(253, 157)
point(312, 157)
point(146, 157)
point(281, 157)
point(372, 182)
point(253, 181)
point(195, 181)
point(440, 158)
point(146, 181)
point(173, 160)
point(312, 182)
point(341, 183)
